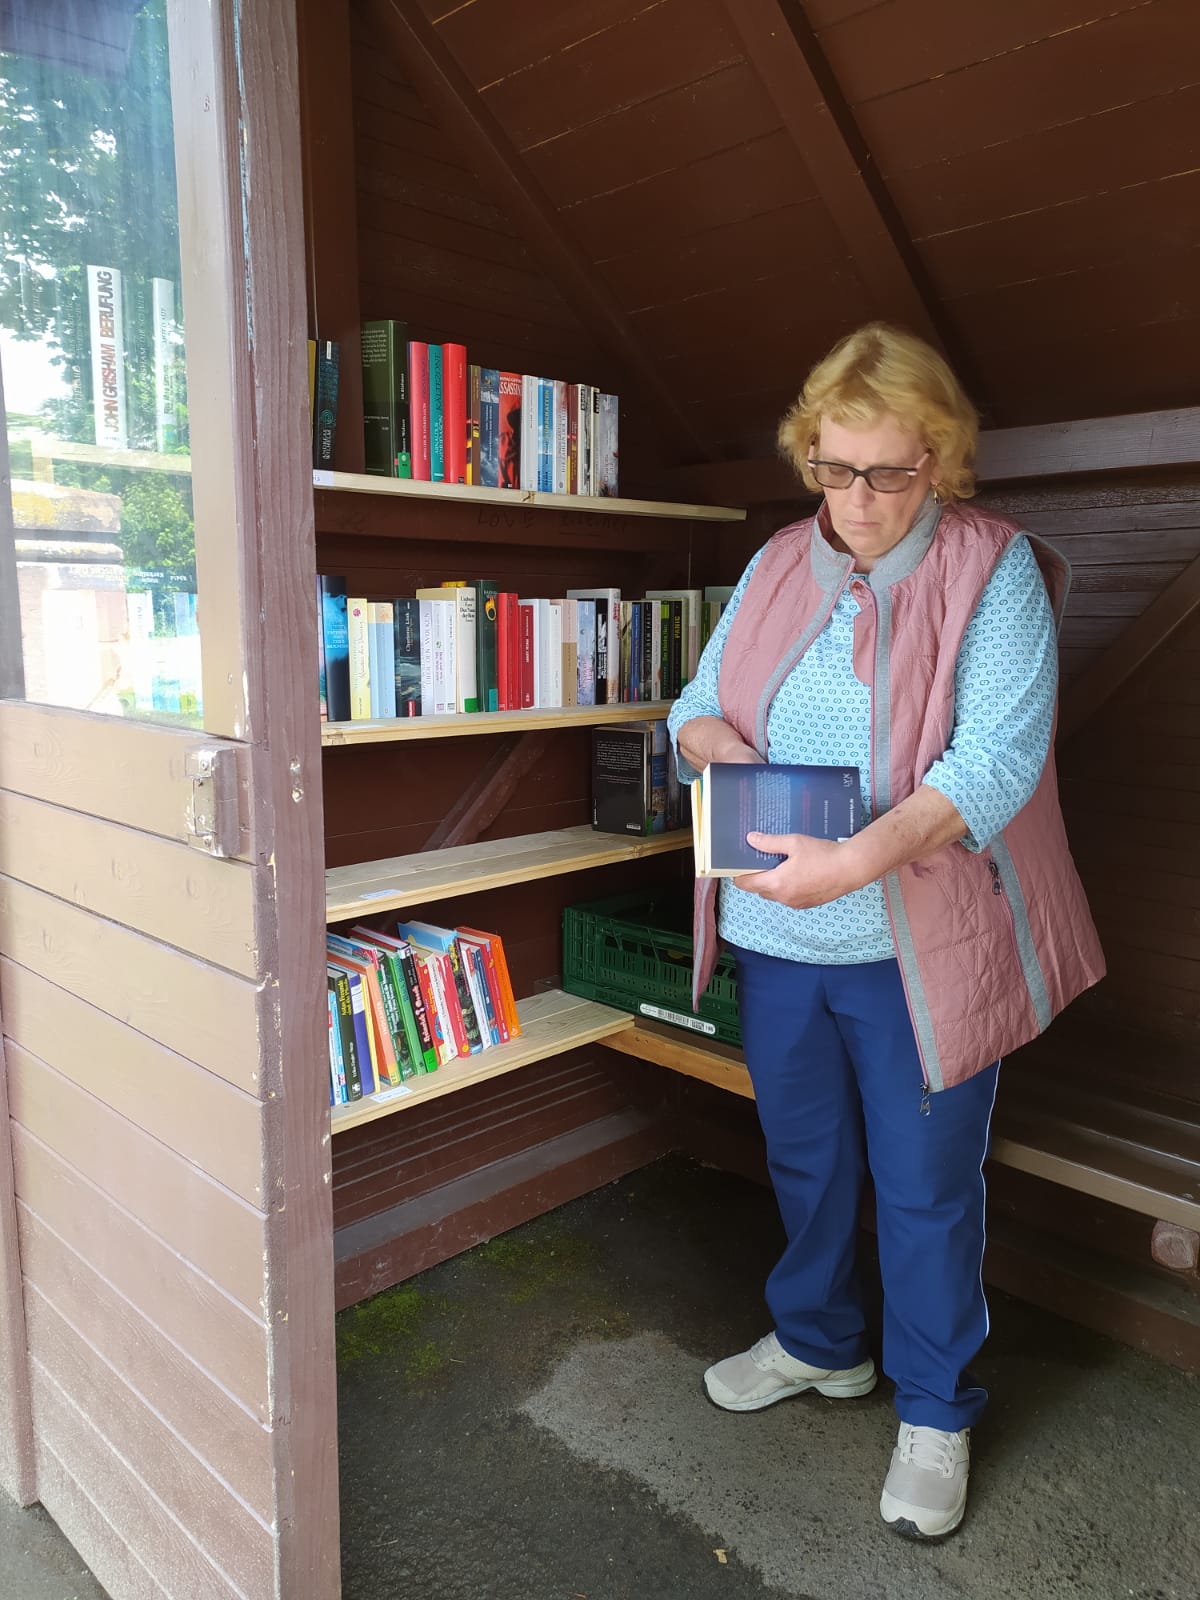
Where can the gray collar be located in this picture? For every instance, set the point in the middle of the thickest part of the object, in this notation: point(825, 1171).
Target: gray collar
point(831, 567)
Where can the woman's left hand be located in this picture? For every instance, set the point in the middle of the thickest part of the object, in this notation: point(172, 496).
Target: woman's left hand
point(815, 872)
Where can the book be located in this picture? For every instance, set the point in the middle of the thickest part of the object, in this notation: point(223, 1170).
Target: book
point(431, 936)
point(454, 412)
point(364, 961)
point(495, 946)
point(608, 638)
point(380, 632)
point(406, 651)
point(474, 406)
point(621, 779)
point(561, 438)
point(424, 1044)
point(510, 430)
point(321, 675)
point(339, 982)
point(386, 443)
point(585, 623)
point(438, 626)
point(461, 678)
point(569, 613)
point(471, 939)
point(337, 1068)
point(361, 945)
point(489, 429)
point(691, 602)
point(530, 412)
point(545, 435)
point(335, 639)
point(358, 638)
point(437, 415)
point(418, 404)
point(606, 451)
point(325, 410)
point(731, 799)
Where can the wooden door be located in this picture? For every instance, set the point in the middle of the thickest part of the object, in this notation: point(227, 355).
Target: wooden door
point(166, 1334)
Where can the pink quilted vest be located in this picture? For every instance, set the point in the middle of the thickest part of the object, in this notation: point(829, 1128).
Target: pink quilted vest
point(991, 945)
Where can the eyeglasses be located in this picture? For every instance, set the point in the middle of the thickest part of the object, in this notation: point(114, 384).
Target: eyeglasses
point(883, 480)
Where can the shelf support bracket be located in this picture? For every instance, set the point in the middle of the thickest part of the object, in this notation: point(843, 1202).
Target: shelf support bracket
point(479, 806)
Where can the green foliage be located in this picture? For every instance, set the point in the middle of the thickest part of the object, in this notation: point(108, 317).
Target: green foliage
point(157, 530)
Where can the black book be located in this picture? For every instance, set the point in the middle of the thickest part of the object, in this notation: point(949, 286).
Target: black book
point(406, 638)
point(325, 408)
point(621, 779)
point(387, 444)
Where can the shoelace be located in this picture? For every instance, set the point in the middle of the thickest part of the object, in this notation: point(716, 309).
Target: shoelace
point(930, 1449)
point(764, 1350)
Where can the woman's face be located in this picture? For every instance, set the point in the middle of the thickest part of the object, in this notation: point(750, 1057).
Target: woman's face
point(869, 524)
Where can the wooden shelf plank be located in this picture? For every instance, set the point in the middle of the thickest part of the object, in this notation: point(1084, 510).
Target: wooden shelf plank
point(380, 730)
point(695, 1056)
point(370, 483)
point(373, 886)
point(551, 1024)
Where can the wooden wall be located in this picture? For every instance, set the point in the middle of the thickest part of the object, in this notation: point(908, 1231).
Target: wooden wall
point(131, 995)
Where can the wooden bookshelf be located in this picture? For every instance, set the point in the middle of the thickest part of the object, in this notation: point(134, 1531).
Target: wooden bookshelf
point(470, 495)
point(690, 1053)
point(373, 886)
point(382, 730)
point(550, 1024)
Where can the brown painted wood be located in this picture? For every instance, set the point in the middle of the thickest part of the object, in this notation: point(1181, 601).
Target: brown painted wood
point(278, 550)
point(189, 1310)
point(482, 802)
point(1169, 612)
point(330, 210)
point(17, 1476)
point(226, 1534)
point(192, 1403)
point(785, 52)
point(443, 86)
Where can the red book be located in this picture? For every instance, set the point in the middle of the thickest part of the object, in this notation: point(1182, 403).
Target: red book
point(513, 608)
point(482, 942)
point(510, 430)
point(503, 685)
point(454, 410)
point(525, 672)
point(418, 400)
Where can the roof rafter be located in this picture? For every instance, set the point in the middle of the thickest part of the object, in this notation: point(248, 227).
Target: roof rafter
point(787, 56)
point(446, 90)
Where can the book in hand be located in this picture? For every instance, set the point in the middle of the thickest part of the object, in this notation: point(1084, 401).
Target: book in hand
point(731, 799)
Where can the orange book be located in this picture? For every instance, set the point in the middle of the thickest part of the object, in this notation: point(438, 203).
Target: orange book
point(383, 1050)
point(496, 946)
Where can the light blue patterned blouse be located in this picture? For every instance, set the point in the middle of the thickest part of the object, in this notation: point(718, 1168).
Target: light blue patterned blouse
point(1005, 682)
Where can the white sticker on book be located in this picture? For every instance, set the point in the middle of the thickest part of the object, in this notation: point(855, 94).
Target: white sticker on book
point(697, 1024)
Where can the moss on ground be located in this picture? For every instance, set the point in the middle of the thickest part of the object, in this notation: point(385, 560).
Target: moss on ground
point(391, 1325)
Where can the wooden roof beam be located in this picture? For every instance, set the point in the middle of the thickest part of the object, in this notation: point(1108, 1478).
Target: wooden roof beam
point(403, 29)
point(784, 51)
point(1128, 653)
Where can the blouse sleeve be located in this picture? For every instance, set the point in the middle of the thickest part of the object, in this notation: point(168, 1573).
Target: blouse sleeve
point(1005, 682)
point(699, 697)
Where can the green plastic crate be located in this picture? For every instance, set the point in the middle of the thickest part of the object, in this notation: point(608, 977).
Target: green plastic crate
point(635, 951)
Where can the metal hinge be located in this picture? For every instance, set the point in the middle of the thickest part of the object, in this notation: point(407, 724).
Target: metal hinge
point(212, 811)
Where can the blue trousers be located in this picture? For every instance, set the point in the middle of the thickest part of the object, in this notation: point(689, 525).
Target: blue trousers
point(839, 1087)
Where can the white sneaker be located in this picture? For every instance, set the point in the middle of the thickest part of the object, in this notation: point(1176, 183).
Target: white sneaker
point(765, 1373)
point(925, 1493)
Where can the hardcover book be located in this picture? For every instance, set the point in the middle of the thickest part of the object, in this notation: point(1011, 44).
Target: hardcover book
point(406, 642)
point(509, 430)
point(489, 429)
point(325, 410)
point(437, 415)
point(359, 641)
point(386, 446)
point(337, 650)
point(454, 411)
point(731, 799)
point(418, 402)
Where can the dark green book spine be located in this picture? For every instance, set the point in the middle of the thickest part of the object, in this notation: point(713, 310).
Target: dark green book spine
point(429, 1055)
point(413, 1055)
point(486, 643)
point(345, 1009)
point(386, 443)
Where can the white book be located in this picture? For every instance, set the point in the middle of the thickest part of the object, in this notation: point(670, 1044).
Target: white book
point(554, 651)
point(428, 691)
point(440, 624)
point(529, 432)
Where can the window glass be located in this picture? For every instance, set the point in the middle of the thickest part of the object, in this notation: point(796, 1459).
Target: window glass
point(92, 361)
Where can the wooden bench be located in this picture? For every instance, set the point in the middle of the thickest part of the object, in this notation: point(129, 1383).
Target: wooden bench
point(1072, 1108)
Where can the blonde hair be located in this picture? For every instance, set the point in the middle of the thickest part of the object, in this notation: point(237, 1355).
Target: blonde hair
point(881, 371)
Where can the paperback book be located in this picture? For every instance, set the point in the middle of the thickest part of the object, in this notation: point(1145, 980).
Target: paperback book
point(731, 799)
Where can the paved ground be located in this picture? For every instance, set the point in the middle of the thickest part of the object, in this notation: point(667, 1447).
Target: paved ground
point(525, 1423)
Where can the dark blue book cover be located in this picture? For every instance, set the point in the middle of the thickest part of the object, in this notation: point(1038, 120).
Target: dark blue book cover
point(489, 428)
point(406, 631)
point(737, 799)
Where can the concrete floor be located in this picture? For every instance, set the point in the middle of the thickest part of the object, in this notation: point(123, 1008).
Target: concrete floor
point(526, 1423)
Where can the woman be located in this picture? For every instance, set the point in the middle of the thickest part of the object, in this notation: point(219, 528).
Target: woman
point(881, 979)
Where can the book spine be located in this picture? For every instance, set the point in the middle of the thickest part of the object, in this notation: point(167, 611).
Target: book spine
point(487, 649)
point(325, 422)
point(606, 445)
point(337, 648)
point(439, 1027)
point(474, 424)
point(454, 411)
point(472, 1031)
point(359, 641)
point(545, 436)
point(345, 1009)
point(561, 436)
point(649, 629)
point(380, 446)
point(395, 1001)
point(437, 415)
point(528, 682)
point(513, 608)
point(426, 1042)
point(322, 676)
point(362, 1034)
point(406, 656)
point(529, 432)
point(572, 438)
point(509, 430)
point(489, 428)
point(494, 988)
point(337, 1064)
point(506, 988)
point(418, 389)
point(466, 658)
point(585, 621)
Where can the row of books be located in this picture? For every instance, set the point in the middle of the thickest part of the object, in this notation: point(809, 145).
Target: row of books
point(469, 646)
point(430, 414)
point(635, 787)
point(401, 1005)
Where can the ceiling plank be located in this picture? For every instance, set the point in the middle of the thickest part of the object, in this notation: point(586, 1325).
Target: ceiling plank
point(402, 28)
point(1145, 439)
point(785, 52)
point(1161, 620)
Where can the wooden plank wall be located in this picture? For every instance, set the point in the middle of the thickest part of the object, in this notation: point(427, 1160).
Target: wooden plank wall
point(131, 993)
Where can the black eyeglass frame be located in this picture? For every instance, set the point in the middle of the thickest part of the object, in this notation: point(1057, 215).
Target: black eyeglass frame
point(865, 473)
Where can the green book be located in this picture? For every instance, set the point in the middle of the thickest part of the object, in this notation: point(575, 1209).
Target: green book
point(486, 637)
point(387, 441)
